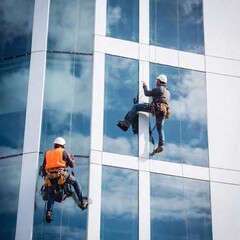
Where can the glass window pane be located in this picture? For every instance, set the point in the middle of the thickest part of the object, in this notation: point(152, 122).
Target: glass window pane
point(119, 216)
point(14, 75)
point(69, 221)
point(172, 146)
point(163, 23)
point(186, 139)
point(67, 102)
point(71, 25)
point(123, 19)
point(121, 86)
point(198, 209)
point(16, 20)
point(191, 36)
point(180, 208)
point(9, 190)
point(193, 117)
point(177, 24)
point(167, 208)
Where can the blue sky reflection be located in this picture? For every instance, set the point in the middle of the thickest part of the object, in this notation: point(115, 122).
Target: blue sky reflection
point(121, 86)
point(119, 215)
point(180, 208)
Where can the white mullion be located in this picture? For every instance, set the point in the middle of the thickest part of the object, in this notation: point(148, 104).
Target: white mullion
point(94, 210)
point(143, 117)
point(26, 202)
point(100, 17)
point(97, 102)
point(144, 205)
point(144, 21)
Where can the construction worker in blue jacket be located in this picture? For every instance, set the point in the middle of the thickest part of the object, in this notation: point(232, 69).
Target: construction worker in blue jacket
point(54, 169)
point(159, 107)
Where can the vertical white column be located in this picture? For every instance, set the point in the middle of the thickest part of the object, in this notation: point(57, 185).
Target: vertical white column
point(25, 215)
point(144, 174)
point(97, 102)
point(144, 21)
point(143, 117)
point(143, 75)
point(144, 205)
point(97, 115)
point(100, 17)
point(94, 210)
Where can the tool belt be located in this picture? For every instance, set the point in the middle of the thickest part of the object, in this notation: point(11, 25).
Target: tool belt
point(56, 173)
point(160, 109)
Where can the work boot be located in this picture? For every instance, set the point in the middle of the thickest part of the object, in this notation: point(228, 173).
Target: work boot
point(84, 203)
point(158, 149)
point(124, 125)
point(49, 216)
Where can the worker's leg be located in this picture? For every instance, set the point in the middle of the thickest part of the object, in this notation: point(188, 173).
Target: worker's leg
point(160, 129)
point(140, 107)
point(78, 189)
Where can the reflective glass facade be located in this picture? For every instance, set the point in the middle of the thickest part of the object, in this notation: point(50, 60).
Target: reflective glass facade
point(121, 82)
point(123, 19)
point(67, 109)
point(16, 19)
point(180, 208)
point(177, 25)
point(81, 75)
point(119, 218)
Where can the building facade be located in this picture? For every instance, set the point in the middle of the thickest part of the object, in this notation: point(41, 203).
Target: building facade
point(72, 68)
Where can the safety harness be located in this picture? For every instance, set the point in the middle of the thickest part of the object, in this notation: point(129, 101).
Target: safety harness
point(56, 173)
point(159, 104)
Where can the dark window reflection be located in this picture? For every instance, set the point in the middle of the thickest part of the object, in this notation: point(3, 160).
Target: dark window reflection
point(186, 131)
point(16, 21)
point(69, 221)
point(71, 25)
point(67, 102)
point(119, 216)
point(180, 208)
point(9, 190)
point(123, 19)
point(177, 24)
point(121, 86)
point(14, 75)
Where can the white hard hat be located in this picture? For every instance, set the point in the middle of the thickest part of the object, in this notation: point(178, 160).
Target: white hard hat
point(162, 78)
point(61, 141)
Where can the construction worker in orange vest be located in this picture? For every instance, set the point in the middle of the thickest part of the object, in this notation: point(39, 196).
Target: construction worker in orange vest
point(54, 169)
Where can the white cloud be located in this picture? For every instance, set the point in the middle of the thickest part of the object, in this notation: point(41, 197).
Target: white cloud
point(176, 197)
point(120, 186)
point(190, 155)
point(70, 29)
point(121, 145)
point(67, 93)
point(114, 16)
point(191, 104)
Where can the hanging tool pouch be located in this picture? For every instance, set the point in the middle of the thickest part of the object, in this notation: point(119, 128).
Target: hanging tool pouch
point(160, 108)
point(53, 173)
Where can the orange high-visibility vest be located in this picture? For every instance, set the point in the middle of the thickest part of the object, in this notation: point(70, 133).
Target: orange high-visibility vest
point(54, 158)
